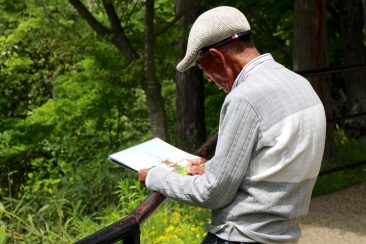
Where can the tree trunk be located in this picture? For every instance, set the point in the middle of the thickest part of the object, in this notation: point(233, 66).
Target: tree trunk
point(155, 101)
point(310, 52)
point(351, 23)
point(190, 125)
point(116, 35)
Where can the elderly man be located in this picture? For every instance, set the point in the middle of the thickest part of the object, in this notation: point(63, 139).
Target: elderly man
point(270, 143)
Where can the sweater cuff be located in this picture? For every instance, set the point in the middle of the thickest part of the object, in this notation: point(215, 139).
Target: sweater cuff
point(154, 178)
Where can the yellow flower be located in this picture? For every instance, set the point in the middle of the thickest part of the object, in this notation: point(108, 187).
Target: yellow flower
point(169, 228)
point(195, 229)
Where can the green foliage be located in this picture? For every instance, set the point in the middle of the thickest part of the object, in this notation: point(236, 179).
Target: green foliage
point(57, 216)
point(129, 194)
point(349, 151)
point(213, 100)
point(61, 220)
point(65, 107)
point(339, 180)
point(56, 101)
point(2, 233)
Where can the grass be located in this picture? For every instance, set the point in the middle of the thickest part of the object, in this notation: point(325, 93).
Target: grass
point(348, 151)
point(172, 223)
point(339, 180)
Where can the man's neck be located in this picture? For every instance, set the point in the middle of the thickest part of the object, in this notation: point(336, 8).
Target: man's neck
point(248, 55)
point(242, 59)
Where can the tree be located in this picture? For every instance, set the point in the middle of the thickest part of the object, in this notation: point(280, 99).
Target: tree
point(152, 86)
point(116, 34)
point(189, 86)
point(310, 52)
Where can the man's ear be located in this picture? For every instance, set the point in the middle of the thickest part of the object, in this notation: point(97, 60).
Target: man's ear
point(217, 56)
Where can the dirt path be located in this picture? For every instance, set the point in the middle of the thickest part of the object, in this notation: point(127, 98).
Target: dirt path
point(338, 217)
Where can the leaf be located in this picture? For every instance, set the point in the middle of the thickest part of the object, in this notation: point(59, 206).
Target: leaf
point(2, 208)
point(66, 225)
point(30, 220)
point(42, 209)
point(2, 233)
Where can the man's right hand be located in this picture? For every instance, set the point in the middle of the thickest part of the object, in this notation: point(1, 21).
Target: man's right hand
point(196, 166)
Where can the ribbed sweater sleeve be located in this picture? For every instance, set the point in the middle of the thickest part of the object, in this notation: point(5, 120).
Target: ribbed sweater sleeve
point(216, 188)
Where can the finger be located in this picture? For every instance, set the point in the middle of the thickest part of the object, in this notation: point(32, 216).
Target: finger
point(197, 161)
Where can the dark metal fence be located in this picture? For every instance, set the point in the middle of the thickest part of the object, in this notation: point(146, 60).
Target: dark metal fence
point(128, 228)
point(328, 71)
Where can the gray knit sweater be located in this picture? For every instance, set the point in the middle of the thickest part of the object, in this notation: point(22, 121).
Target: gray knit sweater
point(268, 155)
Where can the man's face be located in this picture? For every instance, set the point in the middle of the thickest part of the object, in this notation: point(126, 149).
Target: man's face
point(215, 71)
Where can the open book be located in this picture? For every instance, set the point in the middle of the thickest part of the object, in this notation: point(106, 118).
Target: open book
point(154, 152)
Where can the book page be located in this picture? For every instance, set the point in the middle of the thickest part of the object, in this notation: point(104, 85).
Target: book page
point(154, 152)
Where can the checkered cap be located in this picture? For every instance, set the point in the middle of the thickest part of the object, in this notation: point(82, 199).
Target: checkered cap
point(214, 27)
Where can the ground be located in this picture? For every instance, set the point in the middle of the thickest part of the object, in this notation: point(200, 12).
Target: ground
point(338, 217)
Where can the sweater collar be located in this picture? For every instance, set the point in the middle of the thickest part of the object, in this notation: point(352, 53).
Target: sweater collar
point(251, 66)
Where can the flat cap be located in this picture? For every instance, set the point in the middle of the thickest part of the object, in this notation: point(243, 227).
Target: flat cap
point(213, 26)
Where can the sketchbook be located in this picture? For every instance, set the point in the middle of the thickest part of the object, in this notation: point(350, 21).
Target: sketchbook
point(154, 152)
